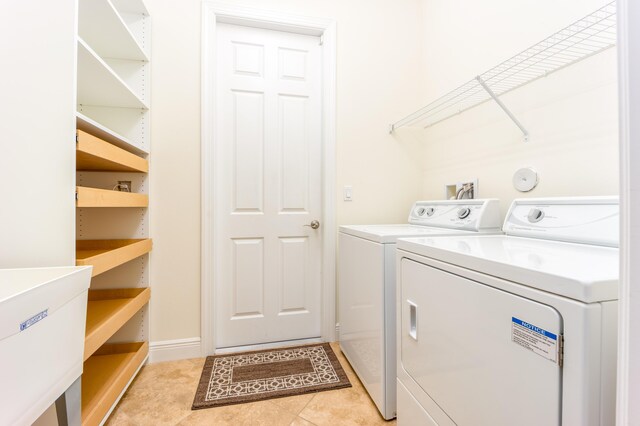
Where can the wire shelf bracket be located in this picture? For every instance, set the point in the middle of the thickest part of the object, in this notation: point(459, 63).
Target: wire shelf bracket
point(504, 107)
point(586, 37)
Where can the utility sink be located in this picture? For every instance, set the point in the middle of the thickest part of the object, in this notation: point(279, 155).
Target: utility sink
point(42, 324)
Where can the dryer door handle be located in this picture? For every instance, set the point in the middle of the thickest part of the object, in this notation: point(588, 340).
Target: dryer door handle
point(413, 320)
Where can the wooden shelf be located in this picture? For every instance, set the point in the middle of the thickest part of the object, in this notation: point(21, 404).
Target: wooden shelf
point(93, 153)
point(112, 137)
point(107, 374)
point(108, 311)
point(102, 27)
point(104, 255)
point(93, 197)
point(91, 126)
point(98, 84)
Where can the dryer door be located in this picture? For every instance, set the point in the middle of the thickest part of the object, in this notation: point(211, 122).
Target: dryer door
point(485, 356)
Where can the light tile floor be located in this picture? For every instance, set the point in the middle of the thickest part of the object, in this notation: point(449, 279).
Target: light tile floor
point(162, 394)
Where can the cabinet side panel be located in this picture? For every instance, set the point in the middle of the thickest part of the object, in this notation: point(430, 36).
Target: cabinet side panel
point(37, 133)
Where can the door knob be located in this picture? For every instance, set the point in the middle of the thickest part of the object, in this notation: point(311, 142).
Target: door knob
point(314, 224)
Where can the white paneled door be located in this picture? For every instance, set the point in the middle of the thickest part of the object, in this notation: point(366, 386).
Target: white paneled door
point(268, 170)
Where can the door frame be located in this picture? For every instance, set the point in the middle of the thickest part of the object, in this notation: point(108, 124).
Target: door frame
point(628, 385)
point(212, 14)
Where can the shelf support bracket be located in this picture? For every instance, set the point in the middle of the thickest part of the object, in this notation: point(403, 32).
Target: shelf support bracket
point(504, 107)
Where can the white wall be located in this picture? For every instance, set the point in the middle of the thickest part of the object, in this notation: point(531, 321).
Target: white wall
point(37, 128)
point(571, 114)
point(393, 56)
point(175, 169)
point(379, 66)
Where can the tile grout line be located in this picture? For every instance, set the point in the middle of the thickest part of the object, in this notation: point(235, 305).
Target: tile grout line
point(305, 405)
point(316, 394)
point(304, 418)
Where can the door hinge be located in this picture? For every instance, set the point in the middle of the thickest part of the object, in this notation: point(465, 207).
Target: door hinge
point(561, 350)
point(76, 195)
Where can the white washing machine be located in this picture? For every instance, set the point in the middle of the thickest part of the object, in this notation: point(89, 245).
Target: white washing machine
point(366, 280)
point(518, 329)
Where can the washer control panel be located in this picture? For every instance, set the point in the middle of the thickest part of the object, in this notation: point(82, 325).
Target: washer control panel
point(472, 215)
point(588, 220)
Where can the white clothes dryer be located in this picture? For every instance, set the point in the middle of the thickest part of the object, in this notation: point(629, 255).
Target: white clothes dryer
point(517, 329)
point(366, 281)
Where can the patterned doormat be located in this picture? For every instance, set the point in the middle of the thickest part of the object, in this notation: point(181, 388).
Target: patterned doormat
point(272, 373)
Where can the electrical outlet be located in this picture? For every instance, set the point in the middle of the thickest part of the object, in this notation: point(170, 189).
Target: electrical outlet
point(124, 186)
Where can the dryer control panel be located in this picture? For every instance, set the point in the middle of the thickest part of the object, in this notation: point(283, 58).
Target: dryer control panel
point(587, 220)
point(468, 215)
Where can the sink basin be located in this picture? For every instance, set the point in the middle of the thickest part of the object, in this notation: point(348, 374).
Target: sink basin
point(42, 324)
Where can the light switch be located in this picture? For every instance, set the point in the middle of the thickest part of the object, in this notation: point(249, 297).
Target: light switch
point(348, 193)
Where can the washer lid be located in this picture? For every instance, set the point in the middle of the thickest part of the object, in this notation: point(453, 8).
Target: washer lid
point(390, 233)
point(582, 272)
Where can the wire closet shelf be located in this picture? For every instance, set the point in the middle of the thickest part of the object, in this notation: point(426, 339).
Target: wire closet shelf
point(585, 37)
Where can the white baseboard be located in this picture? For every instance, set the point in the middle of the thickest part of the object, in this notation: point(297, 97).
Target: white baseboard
point(173, 350)
point(261, 346)
point(338, 331)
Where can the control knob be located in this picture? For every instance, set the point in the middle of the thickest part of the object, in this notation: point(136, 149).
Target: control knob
point(463, 212)
point(535, 215)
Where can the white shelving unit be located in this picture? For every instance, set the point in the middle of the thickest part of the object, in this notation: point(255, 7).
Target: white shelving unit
point(103, 27)
point(99, 84)
point(113, 71)
point(112, 228)
point(586, 37)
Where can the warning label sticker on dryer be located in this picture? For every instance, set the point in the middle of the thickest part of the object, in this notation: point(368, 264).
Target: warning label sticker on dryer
point(536, 339)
